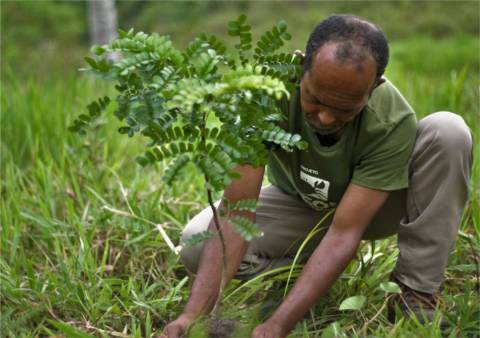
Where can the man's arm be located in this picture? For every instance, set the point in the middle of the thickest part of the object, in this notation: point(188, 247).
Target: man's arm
point(207, 282)
point(357, 208)
point(209, 274)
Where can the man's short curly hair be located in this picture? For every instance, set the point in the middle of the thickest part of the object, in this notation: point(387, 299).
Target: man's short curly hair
point(356, 36)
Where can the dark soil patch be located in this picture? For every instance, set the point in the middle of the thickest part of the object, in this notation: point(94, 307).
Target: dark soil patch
point(220, 328)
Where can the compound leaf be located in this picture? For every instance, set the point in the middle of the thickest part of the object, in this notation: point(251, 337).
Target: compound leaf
point(246, 228)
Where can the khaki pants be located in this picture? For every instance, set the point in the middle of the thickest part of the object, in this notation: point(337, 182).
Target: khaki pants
point(425, 216)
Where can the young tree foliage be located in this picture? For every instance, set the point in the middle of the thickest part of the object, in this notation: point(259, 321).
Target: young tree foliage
point(168, 95)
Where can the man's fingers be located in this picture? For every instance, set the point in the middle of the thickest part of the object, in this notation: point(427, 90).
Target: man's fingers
point(258, 333)
point(175, 332)
point(164, 334)
point(171, 332)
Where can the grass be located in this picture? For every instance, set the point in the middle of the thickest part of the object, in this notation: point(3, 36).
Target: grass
point(69, 265)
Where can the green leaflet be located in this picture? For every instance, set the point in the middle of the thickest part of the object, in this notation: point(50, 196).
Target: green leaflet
point(242, 205)
point(240, 29)
point(216, 176)
point(94, 111)
point(212, 42)
point(246, 228)
point(272, 40)
point(198, 238)
point(286, 140)
point(174, 169)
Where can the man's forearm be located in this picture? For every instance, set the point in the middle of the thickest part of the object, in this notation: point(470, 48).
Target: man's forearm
point(322, 269)
point(209, 274)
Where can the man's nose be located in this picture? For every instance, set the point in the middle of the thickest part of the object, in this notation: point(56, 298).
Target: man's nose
point(325, 117)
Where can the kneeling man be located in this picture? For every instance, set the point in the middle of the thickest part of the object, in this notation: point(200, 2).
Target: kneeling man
point(369, 158)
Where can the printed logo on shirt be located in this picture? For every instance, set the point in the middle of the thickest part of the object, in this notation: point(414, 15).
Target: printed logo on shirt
point(318, 198)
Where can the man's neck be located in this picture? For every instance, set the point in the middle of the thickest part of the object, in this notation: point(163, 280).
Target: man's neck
point(331, 139)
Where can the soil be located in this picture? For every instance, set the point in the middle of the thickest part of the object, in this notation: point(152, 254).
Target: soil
point(220, 328)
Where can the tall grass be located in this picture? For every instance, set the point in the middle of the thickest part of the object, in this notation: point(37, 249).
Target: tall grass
point(68, 264)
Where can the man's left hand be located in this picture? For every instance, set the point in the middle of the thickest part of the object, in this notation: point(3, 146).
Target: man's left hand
point(268, 330)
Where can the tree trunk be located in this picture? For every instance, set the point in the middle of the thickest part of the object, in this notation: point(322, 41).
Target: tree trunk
point(102, 22)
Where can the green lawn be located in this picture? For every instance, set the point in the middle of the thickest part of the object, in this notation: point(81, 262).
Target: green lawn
point(71, 264)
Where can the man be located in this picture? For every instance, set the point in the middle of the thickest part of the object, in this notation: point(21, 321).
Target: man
point(367, 158)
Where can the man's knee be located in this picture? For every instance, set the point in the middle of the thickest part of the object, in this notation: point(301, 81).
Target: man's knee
point(190, 258)
point(446, 132)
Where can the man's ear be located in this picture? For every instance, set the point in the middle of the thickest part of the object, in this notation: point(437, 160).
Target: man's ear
point(300, 55)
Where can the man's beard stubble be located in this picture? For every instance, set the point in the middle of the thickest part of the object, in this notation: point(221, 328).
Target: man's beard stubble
point(327, 137)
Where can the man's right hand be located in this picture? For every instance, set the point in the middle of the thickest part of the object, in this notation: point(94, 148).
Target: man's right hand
point(177, 328)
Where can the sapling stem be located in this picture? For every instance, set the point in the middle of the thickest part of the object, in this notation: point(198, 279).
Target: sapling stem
point(216, 221)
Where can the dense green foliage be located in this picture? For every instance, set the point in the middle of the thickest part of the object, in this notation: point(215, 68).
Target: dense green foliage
point(79, 242)
point(169, 97)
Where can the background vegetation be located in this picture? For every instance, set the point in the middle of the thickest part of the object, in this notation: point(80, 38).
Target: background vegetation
point(69, 263)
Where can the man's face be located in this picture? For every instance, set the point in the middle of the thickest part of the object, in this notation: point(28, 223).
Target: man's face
point(332, 93)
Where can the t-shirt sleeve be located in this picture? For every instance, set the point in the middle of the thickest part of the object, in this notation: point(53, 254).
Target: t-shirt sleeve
point(385, 165)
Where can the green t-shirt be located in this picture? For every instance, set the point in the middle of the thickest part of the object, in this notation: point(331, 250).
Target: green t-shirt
point(373, 151)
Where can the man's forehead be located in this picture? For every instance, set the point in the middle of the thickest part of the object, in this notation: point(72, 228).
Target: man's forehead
point(346, 54)
point(328, 71)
